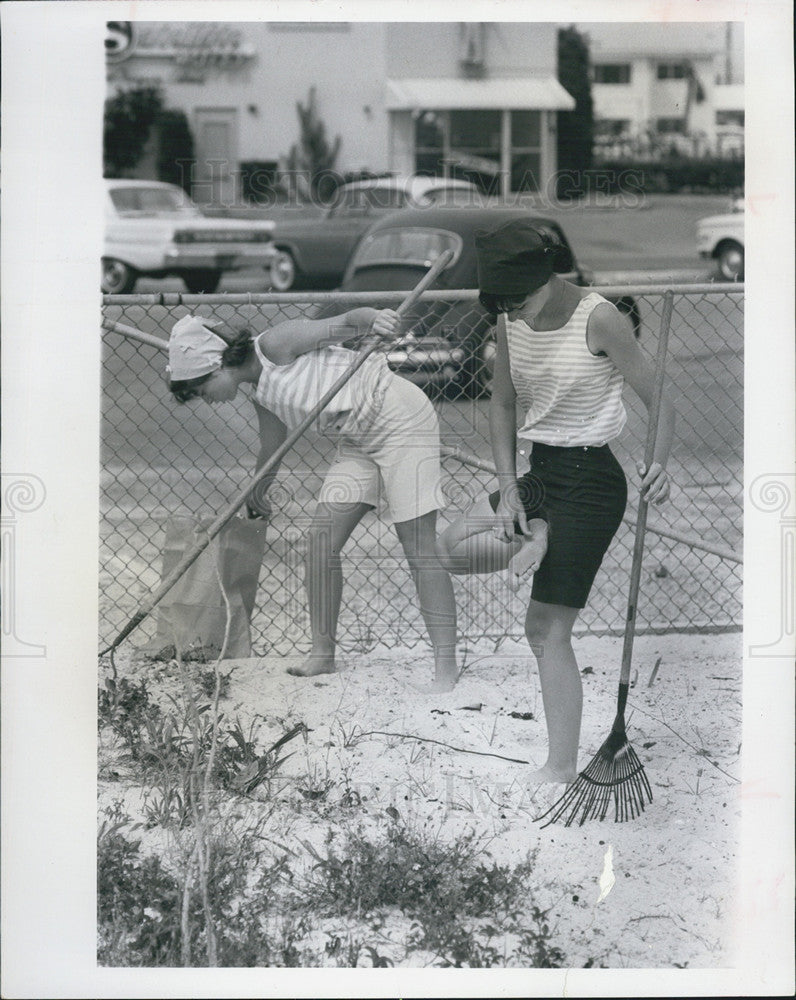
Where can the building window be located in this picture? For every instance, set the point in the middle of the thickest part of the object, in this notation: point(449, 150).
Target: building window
point(474, 153)
point(526, 150)
point(461, 144)
point(670, 126)
point(430, 143)
point(672, 71)
point(468, 145)
point(730, 118)
point(612, 73)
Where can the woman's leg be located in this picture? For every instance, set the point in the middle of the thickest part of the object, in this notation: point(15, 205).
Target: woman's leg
point(331, 528)
point(549, 631)
point(467, 545)
point(435, 595)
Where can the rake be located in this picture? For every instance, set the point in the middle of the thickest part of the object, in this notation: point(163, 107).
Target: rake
point(615, 774)
point(228, 513)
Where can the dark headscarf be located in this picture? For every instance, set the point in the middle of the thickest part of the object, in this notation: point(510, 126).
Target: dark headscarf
point(515, 258)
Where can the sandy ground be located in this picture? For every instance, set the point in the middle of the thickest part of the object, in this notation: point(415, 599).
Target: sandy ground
point(654, 892)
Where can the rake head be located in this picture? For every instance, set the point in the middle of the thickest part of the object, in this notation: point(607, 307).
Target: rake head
point(615, 774)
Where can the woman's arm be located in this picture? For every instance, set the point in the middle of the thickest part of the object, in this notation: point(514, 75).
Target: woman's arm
point(286, 341)
point(503, 436)
point(272, 433)
point(609, 332)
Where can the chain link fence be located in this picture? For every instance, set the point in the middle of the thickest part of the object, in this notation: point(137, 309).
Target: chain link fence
point(160, 458)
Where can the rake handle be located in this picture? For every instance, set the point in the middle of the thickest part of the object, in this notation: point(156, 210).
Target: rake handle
point(133, 334)
point(232, 508)
point(643, 505)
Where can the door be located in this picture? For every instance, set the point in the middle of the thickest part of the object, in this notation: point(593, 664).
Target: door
point(216, 139)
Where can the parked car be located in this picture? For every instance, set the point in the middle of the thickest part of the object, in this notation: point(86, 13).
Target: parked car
point(154, 229)
point(721, 238)
point(449, 343)
point(313, 252)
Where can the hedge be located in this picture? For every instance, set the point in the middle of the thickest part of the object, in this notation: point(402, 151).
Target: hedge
point(661, 176)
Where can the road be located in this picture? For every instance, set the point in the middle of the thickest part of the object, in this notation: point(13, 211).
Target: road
point(651, 240)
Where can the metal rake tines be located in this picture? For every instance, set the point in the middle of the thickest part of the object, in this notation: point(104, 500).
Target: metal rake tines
point(618, 776)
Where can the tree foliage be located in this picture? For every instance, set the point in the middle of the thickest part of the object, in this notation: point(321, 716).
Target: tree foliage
point(312, 160)
point(175, 149)
point(576, 127)
point(129, 117)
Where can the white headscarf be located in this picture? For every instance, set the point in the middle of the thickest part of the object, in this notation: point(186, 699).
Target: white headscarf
point(194, 350)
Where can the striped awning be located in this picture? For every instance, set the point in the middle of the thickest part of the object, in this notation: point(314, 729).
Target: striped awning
point(542, 93)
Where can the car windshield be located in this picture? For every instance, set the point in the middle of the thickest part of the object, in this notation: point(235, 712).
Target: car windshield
point(410, 247)
point(151, 201)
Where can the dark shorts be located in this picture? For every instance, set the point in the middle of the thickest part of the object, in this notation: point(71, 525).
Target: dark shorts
point(582, 493)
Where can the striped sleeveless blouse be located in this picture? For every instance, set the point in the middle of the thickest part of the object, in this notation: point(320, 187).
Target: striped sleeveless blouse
point(291, 391)
point(570, 397)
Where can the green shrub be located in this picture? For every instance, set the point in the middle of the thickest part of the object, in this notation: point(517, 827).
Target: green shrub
point(175, 149)
point(129, 117)
point(126, 708)
point(454, 894)
point(259, 183)
point(662, 176)
point(312, 159)
point(139, 905)
point(168, 744)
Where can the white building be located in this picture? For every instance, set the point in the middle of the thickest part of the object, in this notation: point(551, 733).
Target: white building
point(658, 86)
point(450, 98)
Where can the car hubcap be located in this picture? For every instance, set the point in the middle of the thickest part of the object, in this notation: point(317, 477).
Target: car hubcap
point(283, 271)
point(732, 263)
point(114, 274)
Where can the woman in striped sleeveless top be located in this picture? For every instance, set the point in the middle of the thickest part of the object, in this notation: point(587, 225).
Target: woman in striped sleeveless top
point(563, 356)
point(388, 445)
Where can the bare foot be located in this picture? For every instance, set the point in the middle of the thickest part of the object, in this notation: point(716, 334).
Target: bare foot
point(439, 686)
point(316, 663)
point(528, 559)
point(549, 776)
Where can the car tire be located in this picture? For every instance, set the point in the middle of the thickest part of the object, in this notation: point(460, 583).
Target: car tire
point(201, 281)
point(284, 273)
point(730, 260)
point(117, 278)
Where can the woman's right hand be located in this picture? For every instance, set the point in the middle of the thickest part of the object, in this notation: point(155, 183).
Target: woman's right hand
point(509, 511)
point(386, 324)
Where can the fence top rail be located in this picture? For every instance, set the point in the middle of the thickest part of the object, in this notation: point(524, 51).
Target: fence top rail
point(451, 295)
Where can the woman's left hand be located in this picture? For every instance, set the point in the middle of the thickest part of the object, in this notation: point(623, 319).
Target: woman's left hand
point(655, 484)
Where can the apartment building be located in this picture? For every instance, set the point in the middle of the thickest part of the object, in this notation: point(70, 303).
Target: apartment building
point(472, 100)
point(663, 87)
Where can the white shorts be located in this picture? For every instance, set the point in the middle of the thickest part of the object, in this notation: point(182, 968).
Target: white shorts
point(397, 461)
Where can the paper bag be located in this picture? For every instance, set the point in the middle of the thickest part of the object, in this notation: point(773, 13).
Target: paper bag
point(192, 615)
